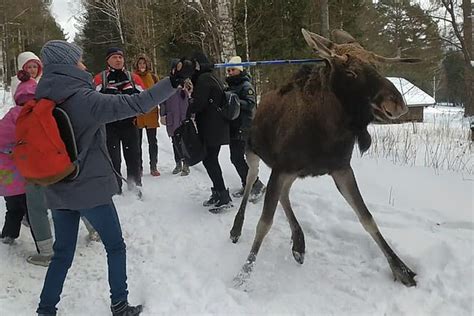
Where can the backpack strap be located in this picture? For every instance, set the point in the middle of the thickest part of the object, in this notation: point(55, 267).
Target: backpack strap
point(221, 87)
point(105, 82)
point(83, 154)
point(130, 78)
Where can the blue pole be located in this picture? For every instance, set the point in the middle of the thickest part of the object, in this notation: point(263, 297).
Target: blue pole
point(270, 62)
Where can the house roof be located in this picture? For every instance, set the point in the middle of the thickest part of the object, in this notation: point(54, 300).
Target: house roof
point(413, 95)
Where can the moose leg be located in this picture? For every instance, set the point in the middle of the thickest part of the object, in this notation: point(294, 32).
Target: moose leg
point(253, 162)
point(297, 235)
point(347, 185)
point(275, 184)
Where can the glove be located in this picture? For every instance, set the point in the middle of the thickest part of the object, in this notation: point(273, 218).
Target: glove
point(183, 70)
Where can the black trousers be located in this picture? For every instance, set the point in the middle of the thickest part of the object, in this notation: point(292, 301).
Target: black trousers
point(152, 147)
point(178, 155)
point(16, 209)
point(237, 157)
point(211, 163)
point(127, 135)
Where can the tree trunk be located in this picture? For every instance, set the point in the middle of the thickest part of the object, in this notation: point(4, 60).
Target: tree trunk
point(226, 30)
point(324, 7)
point(468, 74)
point(469, 66)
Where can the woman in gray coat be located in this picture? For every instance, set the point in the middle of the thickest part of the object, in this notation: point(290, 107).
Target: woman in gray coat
point(90, 194)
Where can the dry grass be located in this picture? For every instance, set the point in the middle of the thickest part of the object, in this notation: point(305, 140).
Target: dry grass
point(442, 144)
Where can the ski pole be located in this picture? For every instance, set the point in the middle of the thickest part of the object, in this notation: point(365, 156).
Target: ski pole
point(270, 62)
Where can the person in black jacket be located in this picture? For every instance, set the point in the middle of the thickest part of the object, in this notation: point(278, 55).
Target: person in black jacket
point(239, 83)
point(212, 127)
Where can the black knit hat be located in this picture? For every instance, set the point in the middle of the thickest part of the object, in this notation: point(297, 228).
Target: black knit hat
point(113, 51)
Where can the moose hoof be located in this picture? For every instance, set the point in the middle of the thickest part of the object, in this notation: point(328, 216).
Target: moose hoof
point(234, 237)
point(299, 256)
point(244, 274)
point(403, 274)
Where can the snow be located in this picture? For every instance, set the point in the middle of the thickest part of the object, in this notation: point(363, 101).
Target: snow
point(412, 95)
point(181, 261)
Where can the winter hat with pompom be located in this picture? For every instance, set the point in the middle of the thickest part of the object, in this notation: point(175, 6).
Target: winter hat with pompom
point(26, 89)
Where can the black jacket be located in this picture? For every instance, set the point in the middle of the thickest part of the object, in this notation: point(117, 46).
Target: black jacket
point(241, 86)
point(212, 127)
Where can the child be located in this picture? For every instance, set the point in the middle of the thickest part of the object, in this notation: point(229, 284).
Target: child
point(12, 184)
point(30, 63)
point(173, 112)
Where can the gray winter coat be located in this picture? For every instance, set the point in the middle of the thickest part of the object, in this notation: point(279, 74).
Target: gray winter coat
point(89, 111)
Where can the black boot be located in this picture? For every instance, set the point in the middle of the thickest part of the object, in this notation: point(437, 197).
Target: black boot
point(123, 309)
point(240, 192)
point(257, 192)
point(213, 199)
point(223, 202)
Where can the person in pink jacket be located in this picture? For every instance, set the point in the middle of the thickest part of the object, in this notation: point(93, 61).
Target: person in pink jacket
point(12, 184)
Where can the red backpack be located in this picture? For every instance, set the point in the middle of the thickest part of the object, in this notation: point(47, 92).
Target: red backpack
point(45, 150)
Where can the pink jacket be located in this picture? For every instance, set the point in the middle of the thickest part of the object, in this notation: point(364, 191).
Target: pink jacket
point(11, 182)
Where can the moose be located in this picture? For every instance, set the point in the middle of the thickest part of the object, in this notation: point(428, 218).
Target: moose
point(309, 127)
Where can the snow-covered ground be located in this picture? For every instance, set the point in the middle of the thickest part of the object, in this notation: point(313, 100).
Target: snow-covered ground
point(181, 261)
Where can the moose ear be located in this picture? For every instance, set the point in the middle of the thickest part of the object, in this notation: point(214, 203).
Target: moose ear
point(321, 39)
point(342, 37)
point(318, 43)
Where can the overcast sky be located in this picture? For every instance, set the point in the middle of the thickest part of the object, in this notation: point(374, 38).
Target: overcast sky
point(64, 12)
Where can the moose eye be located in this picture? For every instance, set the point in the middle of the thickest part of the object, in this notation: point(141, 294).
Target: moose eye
point(351, 74)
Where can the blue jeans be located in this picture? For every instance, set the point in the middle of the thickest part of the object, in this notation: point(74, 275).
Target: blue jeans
point(105, 220)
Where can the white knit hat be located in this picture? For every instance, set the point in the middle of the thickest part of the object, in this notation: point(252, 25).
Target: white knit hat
point(235, 60)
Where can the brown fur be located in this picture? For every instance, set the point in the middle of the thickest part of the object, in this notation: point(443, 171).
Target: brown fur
point(309, 128)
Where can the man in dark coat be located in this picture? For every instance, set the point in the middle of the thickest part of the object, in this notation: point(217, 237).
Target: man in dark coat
point(123, 132)
point(212, 127)
point(239, 83)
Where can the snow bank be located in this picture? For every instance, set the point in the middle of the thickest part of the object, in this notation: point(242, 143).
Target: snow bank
point(181, 261)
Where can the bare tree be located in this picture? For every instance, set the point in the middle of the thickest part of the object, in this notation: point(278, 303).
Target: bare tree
point(217, 23)
point(112, 9)
point(463, 34)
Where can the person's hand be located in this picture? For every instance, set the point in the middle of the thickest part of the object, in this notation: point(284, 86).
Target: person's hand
point(163, 120)
point(183, 70)
point(188, 87)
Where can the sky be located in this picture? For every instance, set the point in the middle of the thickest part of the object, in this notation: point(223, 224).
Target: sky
point(64, 11)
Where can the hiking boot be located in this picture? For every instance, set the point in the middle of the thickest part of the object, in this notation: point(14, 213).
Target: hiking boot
point(239, 193)
point(123, 309)
point(39, 260)
point(257, 192)
point(155, 173)
point(185, 170)
point(178, 168)
point(224, 202)
point(43, 258)
point(93, 236)
point(213, 199)
point(7, 240)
